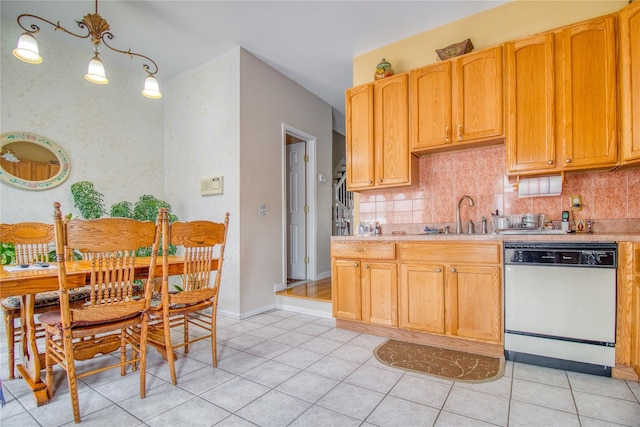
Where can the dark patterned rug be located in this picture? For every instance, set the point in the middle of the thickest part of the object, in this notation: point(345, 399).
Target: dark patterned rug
point(442, 362)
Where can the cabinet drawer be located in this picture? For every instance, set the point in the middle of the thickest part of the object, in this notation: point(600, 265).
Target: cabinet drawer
point(363, 250)
point(449, 252)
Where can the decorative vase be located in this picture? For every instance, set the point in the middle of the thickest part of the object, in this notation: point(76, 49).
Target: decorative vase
point(383, 70)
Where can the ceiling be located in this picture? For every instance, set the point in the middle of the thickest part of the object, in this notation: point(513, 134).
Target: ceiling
point(311, 42)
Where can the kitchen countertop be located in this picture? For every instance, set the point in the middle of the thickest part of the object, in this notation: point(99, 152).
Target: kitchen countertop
point(424, 237)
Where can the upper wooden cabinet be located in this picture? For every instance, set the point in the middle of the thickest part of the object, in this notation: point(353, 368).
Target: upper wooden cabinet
point(561, 99)
point(586, 105)
point(377, 143)
point(359, 141)
point(430, 107)
point(629, 82)
point(530, 99)
point(458, 102)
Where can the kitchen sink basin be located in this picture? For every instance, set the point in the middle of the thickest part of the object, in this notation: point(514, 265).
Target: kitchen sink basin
point(530, 231)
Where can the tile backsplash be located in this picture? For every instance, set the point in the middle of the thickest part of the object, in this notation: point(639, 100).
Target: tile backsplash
point(480, 173)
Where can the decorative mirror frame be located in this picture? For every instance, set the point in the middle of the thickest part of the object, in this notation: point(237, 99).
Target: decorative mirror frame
point(55, 149)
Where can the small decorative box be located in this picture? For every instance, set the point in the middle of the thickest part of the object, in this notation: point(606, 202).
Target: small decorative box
point(454, 50)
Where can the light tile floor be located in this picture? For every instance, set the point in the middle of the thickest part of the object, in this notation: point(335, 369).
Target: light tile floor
point(287, 369)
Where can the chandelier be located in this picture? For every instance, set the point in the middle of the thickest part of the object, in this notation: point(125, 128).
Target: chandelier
point(98, 30)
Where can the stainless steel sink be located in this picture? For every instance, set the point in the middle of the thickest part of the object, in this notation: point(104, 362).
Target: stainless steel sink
point(530, 231)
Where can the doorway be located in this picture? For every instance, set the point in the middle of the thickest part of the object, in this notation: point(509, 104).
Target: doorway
point(299, 195)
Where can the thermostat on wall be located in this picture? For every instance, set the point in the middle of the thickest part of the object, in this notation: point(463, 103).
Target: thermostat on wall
point(211, 185)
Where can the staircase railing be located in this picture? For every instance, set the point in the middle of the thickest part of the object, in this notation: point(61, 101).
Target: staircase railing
point(342, 202)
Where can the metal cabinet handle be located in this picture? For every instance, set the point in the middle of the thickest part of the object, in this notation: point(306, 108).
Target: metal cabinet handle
point(366, 266)
point(568, 160)
point(380, 180)
point(549, 162)
point(438, 270)
point(355, 264)
point(459, 132)
point(370, 182)
point(446, 134)
point(453, 270)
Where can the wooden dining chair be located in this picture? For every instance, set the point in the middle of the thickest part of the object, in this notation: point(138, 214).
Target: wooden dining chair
point(104, 323)
point(195, 301)
point(33, 241)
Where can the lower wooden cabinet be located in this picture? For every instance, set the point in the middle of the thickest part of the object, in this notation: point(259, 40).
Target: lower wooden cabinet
point(365, 290)
point(453, 299)
point(365, 282)
point(421, 297)
point(474, 302)
point(346, 290)
point(448, 288)
point(457, 292)
point(380, 293)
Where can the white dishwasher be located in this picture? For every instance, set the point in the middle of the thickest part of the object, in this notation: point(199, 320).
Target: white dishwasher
point(560, 305)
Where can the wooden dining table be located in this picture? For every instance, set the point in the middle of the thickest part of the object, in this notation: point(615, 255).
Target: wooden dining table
point(26, 284)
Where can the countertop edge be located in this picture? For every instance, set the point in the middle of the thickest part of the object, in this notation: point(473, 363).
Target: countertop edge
point(423, 237)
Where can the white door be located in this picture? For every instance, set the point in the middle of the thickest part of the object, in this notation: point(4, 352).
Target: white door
point(296, 215)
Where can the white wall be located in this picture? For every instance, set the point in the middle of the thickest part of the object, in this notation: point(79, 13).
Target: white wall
point(269, 99)
point(225, 118)
point(222, 118)
point(112, 135)
point(202, 140)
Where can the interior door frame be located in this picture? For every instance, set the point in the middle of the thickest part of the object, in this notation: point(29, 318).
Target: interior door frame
point(311, 189)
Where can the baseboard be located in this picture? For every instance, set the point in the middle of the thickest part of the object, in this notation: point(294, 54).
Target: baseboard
point(304, 306)
point(246, 314)
point(323, 275)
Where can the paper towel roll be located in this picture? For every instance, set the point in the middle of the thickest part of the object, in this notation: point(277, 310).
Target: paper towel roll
point(540, 186)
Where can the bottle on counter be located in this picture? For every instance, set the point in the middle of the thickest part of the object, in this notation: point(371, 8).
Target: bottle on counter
point(377, 230)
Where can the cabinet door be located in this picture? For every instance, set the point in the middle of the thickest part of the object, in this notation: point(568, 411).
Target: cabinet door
point(587, 100)
point(430, 106)
point(477, 92)
point(629, 51)
point(379, 293)
point(359, 140)
point(391, 131)
point(530, 97)
point(345, 289)
point(474, 302)
point(421, 298)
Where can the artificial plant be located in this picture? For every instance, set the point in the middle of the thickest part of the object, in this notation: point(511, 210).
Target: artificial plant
point(88, 200)
point(91, 205)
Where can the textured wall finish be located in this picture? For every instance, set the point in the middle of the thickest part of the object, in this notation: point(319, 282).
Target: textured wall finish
point(112, 134)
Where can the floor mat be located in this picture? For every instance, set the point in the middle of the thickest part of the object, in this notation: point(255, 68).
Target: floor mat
point(442, 362)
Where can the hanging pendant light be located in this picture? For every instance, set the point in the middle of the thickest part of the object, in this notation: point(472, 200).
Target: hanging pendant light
point(151, 88)
point(95, 73)
point(98, 32)
point(27, 49)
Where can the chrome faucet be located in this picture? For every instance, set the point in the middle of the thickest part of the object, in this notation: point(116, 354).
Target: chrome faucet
point(458, 223)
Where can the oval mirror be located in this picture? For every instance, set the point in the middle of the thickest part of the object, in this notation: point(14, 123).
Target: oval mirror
point(32, 162)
